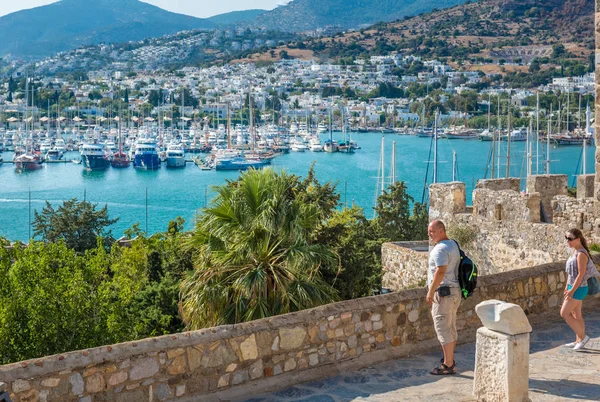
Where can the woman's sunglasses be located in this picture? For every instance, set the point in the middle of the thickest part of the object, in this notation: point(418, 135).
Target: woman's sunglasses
point(567, 238)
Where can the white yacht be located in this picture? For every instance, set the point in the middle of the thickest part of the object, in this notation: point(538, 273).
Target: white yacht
point(298, 146)
point(315, 145)
point(175, 156)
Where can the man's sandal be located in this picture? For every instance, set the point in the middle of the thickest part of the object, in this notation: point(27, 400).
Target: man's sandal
point(444, 370)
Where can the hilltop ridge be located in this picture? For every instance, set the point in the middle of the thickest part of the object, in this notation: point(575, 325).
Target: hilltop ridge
point(68, 24)
point(483, 29)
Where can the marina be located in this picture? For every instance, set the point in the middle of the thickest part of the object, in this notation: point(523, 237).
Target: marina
point(182, 192)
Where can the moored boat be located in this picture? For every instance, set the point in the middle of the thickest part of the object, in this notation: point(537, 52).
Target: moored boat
point(94, 157)
point(146, 155)
point(175, 156)
point(238, 163)
point(28, 161)
point(120, 160)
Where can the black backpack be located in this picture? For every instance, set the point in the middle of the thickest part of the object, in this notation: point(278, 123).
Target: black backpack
point(467, 274)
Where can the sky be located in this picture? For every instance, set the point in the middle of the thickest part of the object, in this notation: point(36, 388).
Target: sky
point(196, 8)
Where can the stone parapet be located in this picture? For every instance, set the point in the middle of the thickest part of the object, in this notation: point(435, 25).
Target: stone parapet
point(506, 205)
point(511, 183)
point(221, 363)
point(404, 264)
point(548, 186)
point(447, 200)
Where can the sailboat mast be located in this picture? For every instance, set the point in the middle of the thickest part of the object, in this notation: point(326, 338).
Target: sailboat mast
point(508, 135)
point(499, 136)
point(393, 169)
point(489, 110)
point(454, 166)
point(228, 128)
point(585, 137)
point(382, 165)
point(435, 149)
point(537, 134)
point(530, 149)
point(568, 108)
point(251, 117)
point(548, 141)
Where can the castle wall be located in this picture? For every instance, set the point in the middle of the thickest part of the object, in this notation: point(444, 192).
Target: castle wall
point(504, 226)
point(235, 361)
point(404, 264)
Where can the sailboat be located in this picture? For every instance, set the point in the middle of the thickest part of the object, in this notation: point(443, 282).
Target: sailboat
point(120, 159)
point(28, 159)
point(330, 146)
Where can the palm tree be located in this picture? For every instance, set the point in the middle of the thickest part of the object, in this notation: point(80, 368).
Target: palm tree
point(253, 257)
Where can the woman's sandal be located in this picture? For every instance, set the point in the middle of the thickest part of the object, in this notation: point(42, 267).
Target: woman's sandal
point(444, 370)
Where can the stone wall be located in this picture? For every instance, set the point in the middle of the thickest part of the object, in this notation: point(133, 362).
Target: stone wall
point(404, 264)
point(233, 361)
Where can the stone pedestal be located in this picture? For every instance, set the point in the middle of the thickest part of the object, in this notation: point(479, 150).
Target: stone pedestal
point(502, 353)
point(501, 367)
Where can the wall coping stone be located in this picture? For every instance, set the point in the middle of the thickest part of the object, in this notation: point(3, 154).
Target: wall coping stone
point(83, 358)
point(417, 246)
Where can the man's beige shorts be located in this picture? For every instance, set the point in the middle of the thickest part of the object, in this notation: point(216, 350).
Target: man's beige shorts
point(443, 312)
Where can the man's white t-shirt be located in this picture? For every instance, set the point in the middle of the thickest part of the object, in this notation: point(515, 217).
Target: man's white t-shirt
point(444, 253)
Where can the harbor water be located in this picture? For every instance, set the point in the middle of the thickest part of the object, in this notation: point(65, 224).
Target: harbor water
point(153, 198)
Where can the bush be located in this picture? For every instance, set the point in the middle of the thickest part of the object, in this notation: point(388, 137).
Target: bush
point(463, 234)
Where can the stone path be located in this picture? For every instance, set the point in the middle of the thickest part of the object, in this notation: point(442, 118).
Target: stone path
point(556, 374)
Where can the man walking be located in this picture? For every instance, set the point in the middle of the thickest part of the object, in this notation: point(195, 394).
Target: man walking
point(443, 293)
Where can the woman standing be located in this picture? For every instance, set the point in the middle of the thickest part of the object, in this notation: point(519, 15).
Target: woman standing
point(580, 267)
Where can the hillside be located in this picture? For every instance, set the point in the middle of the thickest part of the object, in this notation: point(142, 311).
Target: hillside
point(68, 24)
point(236, 16)
point(488, 29)
point(303, 15)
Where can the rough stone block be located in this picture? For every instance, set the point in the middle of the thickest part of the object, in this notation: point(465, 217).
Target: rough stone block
point(585, 186)
point(501, 367)
point(512, 183)
point(503, 317)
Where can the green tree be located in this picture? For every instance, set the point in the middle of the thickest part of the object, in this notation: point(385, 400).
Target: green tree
point(253, 257)
point(394, 220)
point(49, 301)
point(356, 241)
point(78, 223)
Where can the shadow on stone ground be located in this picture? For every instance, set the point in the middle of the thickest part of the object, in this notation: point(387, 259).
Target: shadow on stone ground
point(556, 374)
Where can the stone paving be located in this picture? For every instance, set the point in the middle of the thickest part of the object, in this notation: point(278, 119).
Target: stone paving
point(556, 374)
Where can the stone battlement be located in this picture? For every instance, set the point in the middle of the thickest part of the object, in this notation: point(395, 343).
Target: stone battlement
point(504, 229)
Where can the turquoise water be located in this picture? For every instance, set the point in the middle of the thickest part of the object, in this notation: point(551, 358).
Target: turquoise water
point(173, 193)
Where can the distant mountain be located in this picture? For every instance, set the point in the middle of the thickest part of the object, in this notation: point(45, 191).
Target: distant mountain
point(68, 24)
point(236, 16)
point(303, 15)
